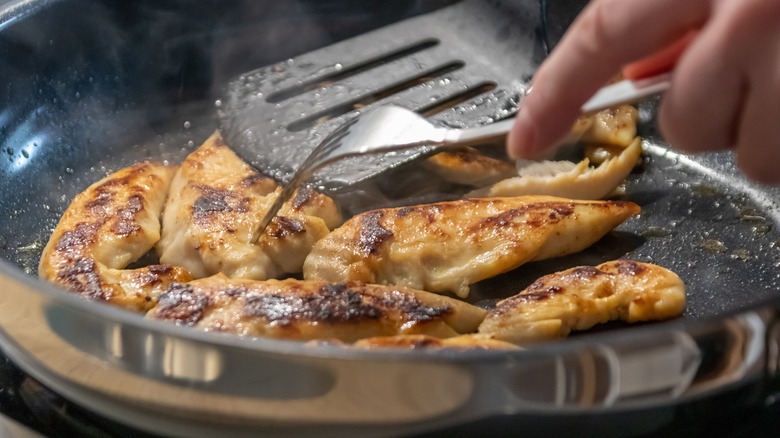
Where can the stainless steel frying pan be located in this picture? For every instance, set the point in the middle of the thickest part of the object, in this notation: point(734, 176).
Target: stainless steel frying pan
point(90, 86)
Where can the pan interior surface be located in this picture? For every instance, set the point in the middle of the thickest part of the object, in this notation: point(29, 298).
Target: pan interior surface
point(85, 107)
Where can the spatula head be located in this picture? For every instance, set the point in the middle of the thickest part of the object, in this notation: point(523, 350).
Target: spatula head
point(464, 65)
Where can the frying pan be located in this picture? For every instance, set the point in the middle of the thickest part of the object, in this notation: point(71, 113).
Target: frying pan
point(90, 86)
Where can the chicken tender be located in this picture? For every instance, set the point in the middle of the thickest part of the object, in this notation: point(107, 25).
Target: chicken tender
point(310, 310)
point(445, 247)
point(579, 298)
point(469, 167)
point(111, 224)
point(614, 126)
point(567, 179)
point(215, 206)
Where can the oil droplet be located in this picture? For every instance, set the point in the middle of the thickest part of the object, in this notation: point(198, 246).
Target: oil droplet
point(218, 103)
point(69, 170)
point(656, 232)
point(187, 124)
point(706, 190)
point(762, 229)
point(190, 143)
point(33, 246)
point(741, 254)
point(712, 245)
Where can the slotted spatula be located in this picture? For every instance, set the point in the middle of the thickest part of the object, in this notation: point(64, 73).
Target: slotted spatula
point(465, 65)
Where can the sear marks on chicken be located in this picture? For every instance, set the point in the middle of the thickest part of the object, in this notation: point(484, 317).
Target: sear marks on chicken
point(581, 297)
point(311, 310)
point(445, 247)
point(111, 224)
point(215, 206)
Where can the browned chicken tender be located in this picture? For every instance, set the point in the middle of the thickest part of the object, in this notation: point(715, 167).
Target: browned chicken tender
point(215, 207)
point(469, 167)
point(447, 246)
point(579, 298)
point(111, 224)
point(310, 310)
point(614, 126)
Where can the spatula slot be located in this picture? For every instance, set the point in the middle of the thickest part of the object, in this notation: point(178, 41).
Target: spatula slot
point(362, 101)
point(443, 105)
point(348, 71)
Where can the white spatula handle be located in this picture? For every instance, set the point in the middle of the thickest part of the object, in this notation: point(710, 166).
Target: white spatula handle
point(626, 91)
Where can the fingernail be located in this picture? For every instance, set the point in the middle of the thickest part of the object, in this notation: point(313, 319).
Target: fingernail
point(522, 139)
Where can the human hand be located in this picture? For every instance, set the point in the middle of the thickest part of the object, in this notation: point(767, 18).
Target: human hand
point(725, 90)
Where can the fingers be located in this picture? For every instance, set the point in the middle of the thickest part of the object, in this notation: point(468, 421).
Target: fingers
point(726, 89)
point(591, 52)
point(758, 139)
point(660, 62)
point(758, 131)
point(701, 109)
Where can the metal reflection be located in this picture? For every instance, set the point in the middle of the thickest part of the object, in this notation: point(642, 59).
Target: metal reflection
point(184, 360)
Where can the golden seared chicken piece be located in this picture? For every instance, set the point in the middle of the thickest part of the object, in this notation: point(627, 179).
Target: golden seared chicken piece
point(215, 206)
point(567, 179)
point(447, 246)
point(111, 224)
point(614, 126)
point(308, 310)
point(579, 298)
point(462, 342)
point(469, 167)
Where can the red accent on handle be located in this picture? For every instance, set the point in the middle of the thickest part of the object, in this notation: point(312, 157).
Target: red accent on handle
point(659, 62)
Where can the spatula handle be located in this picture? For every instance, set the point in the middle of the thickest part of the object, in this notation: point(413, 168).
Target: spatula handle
point(488, 134)
point(626, 91)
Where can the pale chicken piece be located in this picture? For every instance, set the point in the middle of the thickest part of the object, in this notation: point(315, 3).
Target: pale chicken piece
point(113, 223)
point(567, 179)
point(469, 167)
point(614, 126)
point(415, 342)
point(579, 298)
point(215, 206)
point(601, 153)
point(309, 310)
point(445, 247)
